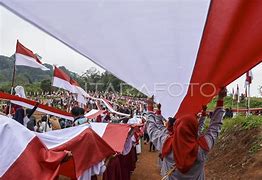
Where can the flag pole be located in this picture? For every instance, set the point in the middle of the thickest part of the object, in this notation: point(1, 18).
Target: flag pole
point(232, 101)
point(248, 100)
point(237, 108)
point(12, 85)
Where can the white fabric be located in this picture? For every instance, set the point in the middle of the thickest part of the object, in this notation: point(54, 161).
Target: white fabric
point(111, 109)
point(81, 99)
point(60, 83)
point(22, 60)
point(42, 110)
point(20, 91)
point(81, 91)
point(149, 44)
point(14, 136)
point(99, 128)
point(56, 138)
point(97, 169)
point(138, 147)
point(128, 146)
point(134, 120)
point(92, 112)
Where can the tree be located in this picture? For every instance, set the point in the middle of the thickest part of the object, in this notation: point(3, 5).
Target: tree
point(46, 85)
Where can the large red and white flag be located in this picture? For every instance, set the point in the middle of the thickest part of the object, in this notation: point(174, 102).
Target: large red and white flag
point(23, 155)
point(40, 155)
point(192, 69)
point(26, 57)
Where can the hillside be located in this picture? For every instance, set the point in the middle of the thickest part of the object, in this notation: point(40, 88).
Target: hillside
point(25, 76)
point(238, 152)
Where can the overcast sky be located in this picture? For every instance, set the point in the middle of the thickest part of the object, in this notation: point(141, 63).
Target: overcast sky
point(54, 52)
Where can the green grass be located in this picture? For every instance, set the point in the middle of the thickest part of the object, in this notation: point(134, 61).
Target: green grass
point(242, 122)
point(255, 102)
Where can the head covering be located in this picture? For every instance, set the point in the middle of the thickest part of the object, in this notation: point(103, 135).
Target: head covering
point(186, 142)
point(19, 91)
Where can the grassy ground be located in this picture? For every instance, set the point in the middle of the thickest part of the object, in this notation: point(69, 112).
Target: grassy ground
point(238, 151)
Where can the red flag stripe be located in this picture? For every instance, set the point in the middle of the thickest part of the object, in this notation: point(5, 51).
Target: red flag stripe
point(25, 51)
point(61, 74)
point(88, 149)
point(94, 113)
point(222, 49)
point(34, 162)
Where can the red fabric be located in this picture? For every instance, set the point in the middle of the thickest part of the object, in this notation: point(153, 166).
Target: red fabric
point(230, 46)
point(128, 163)
point(115, 135)
point(35, 162)
point(33, 103)
point(88, 149)
point(23, 50)
point(108, 102)
point(74, 82)
point(96, 115)
point(99, 118)
point(158, 112)
point(150, 108)
point(61, 74)
point(186, 142)
point(167, 146)
point(220, 103)
point(248, 78)
point(113, 170)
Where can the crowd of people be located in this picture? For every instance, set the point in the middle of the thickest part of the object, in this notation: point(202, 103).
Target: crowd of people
point(181, 143)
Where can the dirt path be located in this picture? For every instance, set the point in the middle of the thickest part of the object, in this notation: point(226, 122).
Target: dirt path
point(146, 166)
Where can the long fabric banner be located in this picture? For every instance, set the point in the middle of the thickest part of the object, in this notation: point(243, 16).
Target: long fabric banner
point(41, 108)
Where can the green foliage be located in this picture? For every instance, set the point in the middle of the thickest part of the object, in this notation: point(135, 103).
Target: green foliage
point(46, 85)
point(242, 122)
point(254, 103)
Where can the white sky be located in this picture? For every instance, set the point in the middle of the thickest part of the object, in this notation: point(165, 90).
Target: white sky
point(55, 52)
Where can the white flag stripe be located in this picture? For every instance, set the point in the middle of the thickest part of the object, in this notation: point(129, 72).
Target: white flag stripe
point(56, 138)
point(22, 60)
point(163, 35)
point(60, 83)
point(99, 128)
point(10, 130)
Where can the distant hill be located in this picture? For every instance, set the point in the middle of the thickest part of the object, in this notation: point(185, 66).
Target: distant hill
point(25, 75)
